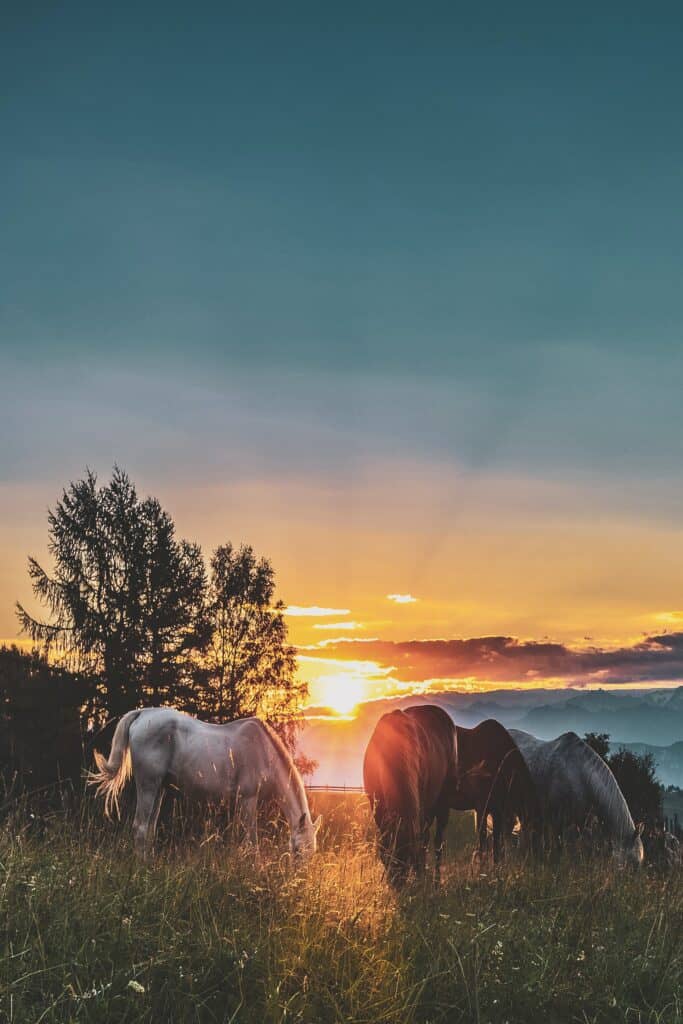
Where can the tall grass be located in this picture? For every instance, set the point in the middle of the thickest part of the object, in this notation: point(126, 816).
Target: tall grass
point(206, 934)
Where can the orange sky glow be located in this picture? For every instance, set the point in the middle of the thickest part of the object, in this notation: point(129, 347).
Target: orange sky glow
point(415, 555)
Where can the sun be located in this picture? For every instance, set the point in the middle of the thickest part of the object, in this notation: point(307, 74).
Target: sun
point(341, 692)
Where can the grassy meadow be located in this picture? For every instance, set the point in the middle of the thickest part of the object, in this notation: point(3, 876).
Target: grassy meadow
point(206, 934)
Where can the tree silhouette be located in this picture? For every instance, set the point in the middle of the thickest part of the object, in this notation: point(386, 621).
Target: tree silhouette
point(637, 778)
point(599, 741)
point(636, 775)
point(248, 667)
point(126, 597)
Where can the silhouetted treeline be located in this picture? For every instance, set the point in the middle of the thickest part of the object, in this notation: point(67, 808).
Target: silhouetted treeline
point(42, 714)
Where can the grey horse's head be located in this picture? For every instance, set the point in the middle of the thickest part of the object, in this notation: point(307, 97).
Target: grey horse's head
point(629, 852)
point(304, 837)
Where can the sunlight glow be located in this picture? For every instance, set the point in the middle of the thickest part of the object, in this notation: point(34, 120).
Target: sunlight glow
point(341, 692)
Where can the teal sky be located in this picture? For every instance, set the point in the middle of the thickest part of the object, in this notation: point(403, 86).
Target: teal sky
point(296, 242)
point(490, 199)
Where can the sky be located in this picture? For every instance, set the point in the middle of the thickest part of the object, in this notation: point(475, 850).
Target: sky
point(392, 294)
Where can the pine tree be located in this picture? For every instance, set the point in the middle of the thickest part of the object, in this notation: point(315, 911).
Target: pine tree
point(249, 667)
point(126, 597)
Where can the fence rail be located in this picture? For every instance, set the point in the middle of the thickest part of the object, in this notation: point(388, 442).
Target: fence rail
point(335, 789)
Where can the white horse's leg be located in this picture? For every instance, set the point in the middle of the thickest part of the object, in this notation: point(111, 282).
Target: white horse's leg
point(148, 803)
point(250, 819)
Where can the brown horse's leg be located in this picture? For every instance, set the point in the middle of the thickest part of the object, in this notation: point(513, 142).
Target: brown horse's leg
point(441, 822)
point(421, 847)
point(497, 818)
point(483, 830)
point(394, 852)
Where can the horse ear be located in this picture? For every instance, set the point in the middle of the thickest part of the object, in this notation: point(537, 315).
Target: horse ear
point(640, 828)
point(317, 823)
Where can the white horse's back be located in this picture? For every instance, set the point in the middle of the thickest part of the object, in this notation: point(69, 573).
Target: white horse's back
point(211, 762)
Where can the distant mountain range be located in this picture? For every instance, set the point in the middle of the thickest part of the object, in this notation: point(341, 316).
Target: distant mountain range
point(669, 760)
point(641, 720)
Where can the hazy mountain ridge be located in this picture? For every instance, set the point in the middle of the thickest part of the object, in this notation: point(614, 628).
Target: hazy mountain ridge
point(644, 721)
point(669, 760)
point(655, 719)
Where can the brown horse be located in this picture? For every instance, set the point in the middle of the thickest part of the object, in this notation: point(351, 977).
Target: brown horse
point(493, 779)
point(410, 766)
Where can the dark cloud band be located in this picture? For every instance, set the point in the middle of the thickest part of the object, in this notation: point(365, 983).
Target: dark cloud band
point(507, 659)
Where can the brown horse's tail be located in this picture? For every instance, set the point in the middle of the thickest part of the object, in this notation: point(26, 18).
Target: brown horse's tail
point(112, 774)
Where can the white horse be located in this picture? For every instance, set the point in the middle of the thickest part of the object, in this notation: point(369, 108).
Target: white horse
point(574, 784)
point(236, 764)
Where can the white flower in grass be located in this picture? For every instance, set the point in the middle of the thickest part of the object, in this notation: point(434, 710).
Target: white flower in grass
point(136, 987)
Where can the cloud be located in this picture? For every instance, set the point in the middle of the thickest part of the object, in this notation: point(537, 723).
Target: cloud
point(669, 618)
point(338, 625)
point(401, 598)
point(505, 659)
point(313, 611)
point(331, 641)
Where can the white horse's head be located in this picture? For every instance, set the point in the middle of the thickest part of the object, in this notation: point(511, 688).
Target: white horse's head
point(304, 837)
point(629, 851)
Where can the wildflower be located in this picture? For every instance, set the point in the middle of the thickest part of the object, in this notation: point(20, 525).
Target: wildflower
point(136, 987)
point(91, 993)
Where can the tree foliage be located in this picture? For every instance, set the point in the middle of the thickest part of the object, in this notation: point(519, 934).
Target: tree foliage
point(126, 596)
point(248, 667)
point(41, 711)
point(131, 603)
point(599, 741)
point(637, 778)
point(636, 775)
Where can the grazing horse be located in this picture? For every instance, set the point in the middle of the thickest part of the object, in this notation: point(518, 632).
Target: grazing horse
point(493, 779)
point(574, 785)
point(236, 764)
point(409, 767)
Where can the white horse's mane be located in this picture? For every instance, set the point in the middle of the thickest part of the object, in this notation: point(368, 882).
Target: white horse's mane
point(286, 761)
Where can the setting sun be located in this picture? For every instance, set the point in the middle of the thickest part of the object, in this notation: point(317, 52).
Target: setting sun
point(341, 692)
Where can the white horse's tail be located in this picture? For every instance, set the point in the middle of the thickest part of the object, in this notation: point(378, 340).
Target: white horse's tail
point(112, 775)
